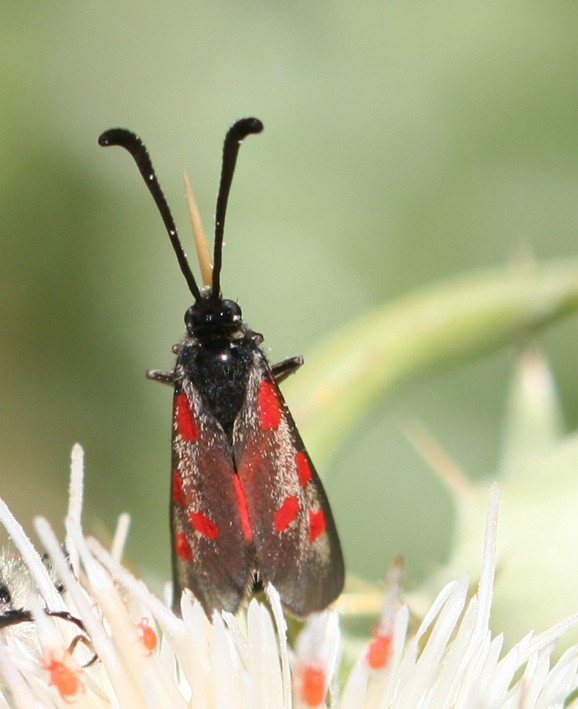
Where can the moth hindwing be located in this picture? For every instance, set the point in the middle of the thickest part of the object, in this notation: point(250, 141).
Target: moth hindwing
point(247, 506)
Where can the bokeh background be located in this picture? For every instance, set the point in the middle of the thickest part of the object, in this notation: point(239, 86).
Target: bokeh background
point(405, 143)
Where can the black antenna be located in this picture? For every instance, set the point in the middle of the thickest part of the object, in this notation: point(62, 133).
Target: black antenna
point(131, 142)
point(235, 135)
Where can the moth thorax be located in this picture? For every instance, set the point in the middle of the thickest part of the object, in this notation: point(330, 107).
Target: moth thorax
point(213, 317)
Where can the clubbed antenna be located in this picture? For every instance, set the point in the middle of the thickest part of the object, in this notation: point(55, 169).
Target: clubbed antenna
point(237, 132)
point(131, 142)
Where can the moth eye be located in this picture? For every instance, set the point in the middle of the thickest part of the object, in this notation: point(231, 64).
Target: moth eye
point(230, 311)
point(5, 595)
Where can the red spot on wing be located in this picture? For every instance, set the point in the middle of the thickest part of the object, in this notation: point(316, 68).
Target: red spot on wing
point(269, 406)
point(182, 547)
point(204, 525)
point(286, 513)
point(243, 509)
point(178, 489)
point(317, 524)
point(303, 468)
point(186, 425)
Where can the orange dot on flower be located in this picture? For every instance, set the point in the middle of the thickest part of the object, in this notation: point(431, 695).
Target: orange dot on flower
point(64, 678)
point(148, 636)
point(312, 686)
point(379, 652)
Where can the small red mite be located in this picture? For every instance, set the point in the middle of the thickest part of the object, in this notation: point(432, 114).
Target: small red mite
point(312, 686)
point(379, 652)
point(148, 636)
point(63, 677)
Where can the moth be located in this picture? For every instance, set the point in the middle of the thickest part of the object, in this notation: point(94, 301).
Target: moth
point(16, 584)
point(247, 507)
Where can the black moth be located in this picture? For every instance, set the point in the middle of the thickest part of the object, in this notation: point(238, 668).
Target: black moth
point(247, 507)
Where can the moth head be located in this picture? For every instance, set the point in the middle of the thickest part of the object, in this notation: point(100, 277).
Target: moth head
point(213, 316)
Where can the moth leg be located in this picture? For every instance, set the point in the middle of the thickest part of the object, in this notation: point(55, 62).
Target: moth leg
point(286, 368)
point(162, 377)
point(13, 616)
point(86, 642)
point(80, 638)
point(65, 615)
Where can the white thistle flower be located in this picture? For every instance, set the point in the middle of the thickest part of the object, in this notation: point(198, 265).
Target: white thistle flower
point(134, 652)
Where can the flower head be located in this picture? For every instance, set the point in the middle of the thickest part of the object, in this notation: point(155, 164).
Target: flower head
point(99, 637)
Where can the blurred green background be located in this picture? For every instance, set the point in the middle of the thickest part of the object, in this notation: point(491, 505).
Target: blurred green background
point(405, 142)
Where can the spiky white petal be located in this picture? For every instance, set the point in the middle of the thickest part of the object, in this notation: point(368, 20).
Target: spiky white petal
point(451, 661)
